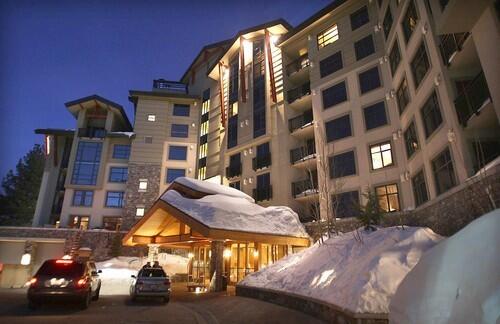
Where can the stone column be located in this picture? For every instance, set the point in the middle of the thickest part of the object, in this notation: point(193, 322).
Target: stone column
point(216, 266)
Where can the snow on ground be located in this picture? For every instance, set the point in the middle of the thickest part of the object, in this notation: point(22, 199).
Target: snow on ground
point(223, 211)
point(212, 188)
point(456, 282)
point(116, 272)
point(360, 277)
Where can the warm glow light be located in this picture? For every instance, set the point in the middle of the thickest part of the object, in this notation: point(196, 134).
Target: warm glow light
point(190, 255)
point(26, 259)
point(66, 257)
point(255, 253)
point(227, 253)
point(274, 39)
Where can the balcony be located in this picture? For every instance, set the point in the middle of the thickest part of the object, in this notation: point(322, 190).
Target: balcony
point(233, 171)
point(304, 157)
point(91, 132)
point(450, 45)
point(302, 125)
point(263, 193)
point(305, 190)
point(261, 162)
point(300, 98)
point(298, 70)
point(473, 98)
point(457, 16)
point(170, 86)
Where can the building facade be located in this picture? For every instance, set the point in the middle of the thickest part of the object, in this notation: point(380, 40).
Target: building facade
point(398, 97)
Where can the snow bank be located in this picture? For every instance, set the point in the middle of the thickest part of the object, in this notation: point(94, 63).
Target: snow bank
point(220, 211)
point(359, 277)
point(456, 282)
point(116, 272)
point(212, 188)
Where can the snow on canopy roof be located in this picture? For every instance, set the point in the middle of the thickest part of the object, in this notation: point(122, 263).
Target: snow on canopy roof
point(236, 212)
point(212, 188)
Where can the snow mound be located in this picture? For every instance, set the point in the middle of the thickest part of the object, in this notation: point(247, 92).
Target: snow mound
point(456, 282)
point(220, 211)
point(116, 272)
point(212, 188)
point(360, 277)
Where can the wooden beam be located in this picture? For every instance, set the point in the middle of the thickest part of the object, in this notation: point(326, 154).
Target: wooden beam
point(139, 239)
point(242, 72)
point(271, 67)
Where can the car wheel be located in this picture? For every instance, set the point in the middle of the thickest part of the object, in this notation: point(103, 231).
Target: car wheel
point(96, 296)
point(166, 300)
point(33, 305)
point(86, 300)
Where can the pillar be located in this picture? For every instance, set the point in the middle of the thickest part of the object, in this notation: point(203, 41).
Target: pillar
point(216, 266)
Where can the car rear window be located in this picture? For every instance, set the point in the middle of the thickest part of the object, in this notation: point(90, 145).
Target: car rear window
point(52, 268)
point(152, 273)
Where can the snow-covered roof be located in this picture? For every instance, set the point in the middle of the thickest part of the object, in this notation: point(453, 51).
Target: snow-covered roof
point(212, 188)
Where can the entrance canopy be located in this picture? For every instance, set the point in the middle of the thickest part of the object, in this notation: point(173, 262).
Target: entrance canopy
point(192, 211)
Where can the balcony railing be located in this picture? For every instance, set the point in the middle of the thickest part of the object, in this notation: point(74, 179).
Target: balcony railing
point(262, 161)
point(263, 193)
point(91, 132)
point(299, 92)
point(297, 65)
point(233, 170)
point(170, 86)
point(472, 98)
point(299, 153)
point(304, 187)
point(450, 44)
point(300, 121)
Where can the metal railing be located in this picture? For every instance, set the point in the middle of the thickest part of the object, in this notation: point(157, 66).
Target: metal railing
point(91, 132)
point(263, 193)
point(171, 86)
point(297, 65)
point(299, 153)
point(300, 121)
point(233, 170)
point(451, 43)
point(472, 98)
point(262, 161)
point(299, 92)
point(304, 187)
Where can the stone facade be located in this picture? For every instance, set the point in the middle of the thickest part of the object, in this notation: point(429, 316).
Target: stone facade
point(134, 197)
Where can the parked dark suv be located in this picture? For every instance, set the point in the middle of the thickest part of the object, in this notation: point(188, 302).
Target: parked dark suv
point(64, 280)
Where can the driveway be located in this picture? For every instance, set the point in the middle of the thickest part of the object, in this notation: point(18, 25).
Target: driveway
point(184, 307)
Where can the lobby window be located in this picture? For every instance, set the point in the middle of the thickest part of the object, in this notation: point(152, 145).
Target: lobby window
point(388, 197)
point(420, 65)
point(411, 140)
point(121, 151)
point(410, 21)
point(364, 47)
point(80, 222)
point(181, 110)
point(111, 223)
point(235, 185)
point(334, 95)
point(387, 23)
point(359, 18)
point(381, 155)
point(173, 174)
point(431, 115)
point(375, 115)
point(345, 204)
point(177, 153)
point(202, 173)
point(115, 199)
point(87, 161)
point(143, 185)
point(179, 130)
point(118, 174)
point(419, 188)
point(342, 165)
point(139, 211)
point(151, 118)
point(403, 96)
point(328, 36)
point(338, 128)
point(83, 198)
point(444, 173)
point(331, 64)
point(394, 57)
point(369, 80)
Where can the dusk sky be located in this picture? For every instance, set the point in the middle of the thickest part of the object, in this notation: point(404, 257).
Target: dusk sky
point(52, 52)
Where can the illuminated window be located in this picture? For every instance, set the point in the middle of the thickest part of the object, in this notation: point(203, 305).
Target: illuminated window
point(202, 173)
point(203, 151)
point(80, 222)
point(233, 109)
point(204, 128)
point(327, 37)
point(388, 197)
point(410, 21)
point(151, 118)
point(381, 155)
point(143, 184)
point(139, 212)
point(205, 107)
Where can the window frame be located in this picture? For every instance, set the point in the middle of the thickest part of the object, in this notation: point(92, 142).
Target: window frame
point(176, 133)
point(179, 110)
point(122, 173)
point(171, 158)
point(414, 66)
point(405, 19)
point(351, 131)
point(435, 116)
point(404, 80)
point(119, 155)
point(361, 48)
point(321, 35)
point(360, 18)
point(336, 103)
point(381, 153)
point(354, 206)
point(81, 163)
point(363, 92)
point(395, 46)
point(329, 65)
point(452, 174)
point(411, 126)
point(83, 198)
point(121, 199)
point(173, 169)
point(417, 196)
point(373, 106)
point(387, 195)
point(333, 174)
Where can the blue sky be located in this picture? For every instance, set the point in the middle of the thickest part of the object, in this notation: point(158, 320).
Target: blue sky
point(52, 52)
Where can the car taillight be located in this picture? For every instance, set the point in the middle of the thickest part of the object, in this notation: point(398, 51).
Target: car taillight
point(33, 282)
point(81, 282)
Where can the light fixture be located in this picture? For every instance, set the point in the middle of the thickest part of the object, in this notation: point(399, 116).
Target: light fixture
point(227, 253)
point(190, 255)
point(437, 79)
point(26, 259)
point(193, 124)
point(66, 257)
point(255, 253)
point(250, 180)
point(250, 151)
point(274, 39)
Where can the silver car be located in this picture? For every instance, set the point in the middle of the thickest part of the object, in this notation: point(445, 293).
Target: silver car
point(150, 282)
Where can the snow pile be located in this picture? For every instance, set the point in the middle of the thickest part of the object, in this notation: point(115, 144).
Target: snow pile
point(116, 272)
point(456, 282)
point(230, 212)
point(212, 188)
point(358, 276)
